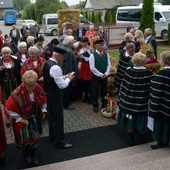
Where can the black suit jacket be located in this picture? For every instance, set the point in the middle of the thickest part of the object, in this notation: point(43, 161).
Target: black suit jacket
point(77, 33)
point(153, 42)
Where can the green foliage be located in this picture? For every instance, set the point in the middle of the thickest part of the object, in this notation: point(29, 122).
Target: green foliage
point(45, 7)
point(106, 17)
point(20, 4)
point(29, 12)
point(147, 16)
point(80, 5)
point(93, 18)
point(169, 33)
point(114, 17)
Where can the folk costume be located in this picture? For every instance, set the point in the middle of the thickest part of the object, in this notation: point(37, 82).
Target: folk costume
point(1, 40)
point(85, 72)
point(133, 99)
point(54, 82)
point(21, 105)
point(10, 76)
point(3, 145)
point(36, 66)
point(124, 63)
point(99, 65)
point(159, 110)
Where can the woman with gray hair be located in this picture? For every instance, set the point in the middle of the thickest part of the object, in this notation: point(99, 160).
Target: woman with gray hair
point(9, 75)
point(128, 38)
point(133, 98)
point(30, 41)
point(27, 107)
point(34, 62)
point(22, 54)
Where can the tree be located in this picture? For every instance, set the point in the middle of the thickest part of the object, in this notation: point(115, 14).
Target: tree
point(45, 7)
point(20, 4)
point(147, 16)
point(29, 12)
point(80, 5)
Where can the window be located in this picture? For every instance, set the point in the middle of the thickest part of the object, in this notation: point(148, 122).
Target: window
point(129, 15)
point(52, 21)
point(157, 16)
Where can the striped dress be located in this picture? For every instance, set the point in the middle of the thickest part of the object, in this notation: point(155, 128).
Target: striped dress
point(124, 63)
point(133, 98)
point(159, 105)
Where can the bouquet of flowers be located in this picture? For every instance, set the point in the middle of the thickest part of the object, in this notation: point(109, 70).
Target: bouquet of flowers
point(110, 110)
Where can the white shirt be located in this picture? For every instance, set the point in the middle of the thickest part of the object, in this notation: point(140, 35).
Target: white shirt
point(56, 74)
point(94, 70)
point(146, 39)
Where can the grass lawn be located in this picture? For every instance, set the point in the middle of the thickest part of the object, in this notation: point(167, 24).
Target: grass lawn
point(115, 53)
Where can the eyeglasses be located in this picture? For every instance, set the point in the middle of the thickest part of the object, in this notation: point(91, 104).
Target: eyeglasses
point(24, 47)
point(30, 85)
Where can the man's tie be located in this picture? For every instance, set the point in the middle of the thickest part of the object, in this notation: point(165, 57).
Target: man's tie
point(101, 54)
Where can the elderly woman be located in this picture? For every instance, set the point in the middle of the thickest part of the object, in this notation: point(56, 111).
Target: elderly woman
point(68, 65)
point(133, 98)
point(159, 102)
point(30, 41)
point(9, 73)
point(128, 38)
point(34, 62)
point(3, 145)
point(27, 107)
point(91, 35)
point(22, 54)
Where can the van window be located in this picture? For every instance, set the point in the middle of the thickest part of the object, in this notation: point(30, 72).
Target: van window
point(157, 16)
point(129, 15)
point(52, 21)
point(166, 15)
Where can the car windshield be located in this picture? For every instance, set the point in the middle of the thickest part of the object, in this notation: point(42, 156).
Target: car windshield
point(167, 15)
point(30, 21)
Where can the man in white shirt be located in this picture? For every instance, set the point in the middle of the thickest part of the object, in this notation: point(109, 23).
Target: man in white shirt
point(100, 66)
point(54, 82)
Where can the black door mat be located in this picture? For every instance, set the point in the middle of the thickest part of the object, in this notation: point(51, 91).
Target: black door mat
point(85, 143)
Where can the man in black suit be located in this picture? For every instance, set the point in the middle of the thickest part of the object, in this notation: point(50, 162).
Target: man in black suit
point(80, 32)
point(150, 39)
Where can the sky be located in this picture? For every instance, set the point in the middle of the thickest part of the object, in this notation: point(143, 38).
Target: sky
point(72, 2)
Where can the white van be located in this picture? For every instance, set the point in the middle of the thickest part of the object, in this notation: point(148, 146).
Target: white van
point(50, 23)
point(132, 14)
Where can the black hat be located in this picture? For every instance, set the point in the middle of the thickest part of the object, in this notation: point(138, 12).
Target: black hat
point(59, 50)
point(99, 42)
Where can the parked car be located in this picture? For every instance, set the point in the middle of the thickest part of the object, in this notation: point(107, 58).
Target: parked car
point(27, 22)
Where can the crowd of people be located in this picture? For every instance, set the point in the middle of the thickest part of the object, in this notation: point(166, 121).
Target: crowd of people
point(37, 81)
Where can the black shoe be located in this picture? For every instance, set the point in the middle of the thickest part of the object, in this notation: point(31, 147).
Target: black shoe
point(159, 145)
point(27, 155)
point(63, 145)
point(2, 161)
point(69, 108)
point(35, 161)
point(51, 138)
point(96, 109)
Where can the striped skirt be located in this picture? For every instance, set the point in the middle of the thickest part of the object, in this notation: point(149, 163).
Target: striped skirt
point(27, 135)
point(3, 145)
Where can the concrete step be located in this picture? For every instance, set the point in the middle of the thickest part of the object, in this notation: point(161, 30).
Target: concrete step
point(120, 159)
point(161, 164)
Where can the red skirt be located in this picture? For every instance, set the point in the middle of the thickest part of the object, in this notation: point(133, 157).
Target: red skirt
point(85, 72)
point(3, 145)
